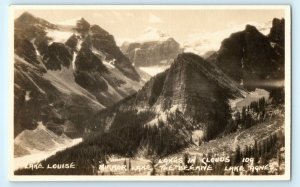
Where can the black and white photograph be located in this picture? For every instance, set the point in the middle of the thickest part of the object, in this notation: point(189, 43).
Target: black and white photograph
point(153, 92)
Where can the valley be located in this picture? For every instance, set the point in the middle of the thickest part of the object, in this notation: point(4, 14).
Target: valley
point(134, 109)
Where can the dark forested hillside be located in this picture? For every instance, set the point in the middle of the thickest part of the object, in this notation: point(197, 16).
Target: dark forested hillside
point(229, 104)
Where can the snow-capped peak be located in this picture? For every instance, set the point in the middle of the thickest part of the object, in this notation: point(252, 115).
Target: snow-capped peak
point(153, 34)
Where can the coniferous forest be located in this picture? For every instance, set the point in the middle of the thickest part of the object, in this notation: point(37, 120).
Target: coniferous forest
point(87, 104)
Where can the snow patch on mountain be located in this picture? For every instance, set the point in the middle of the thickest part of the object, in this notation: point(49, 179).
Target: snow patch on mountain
point(153, 34)
point(73, 60)
point(27, 96)
point(58, 35)
point(39, 144)
point(109, 64)
point(150, 34)
point(75, 53)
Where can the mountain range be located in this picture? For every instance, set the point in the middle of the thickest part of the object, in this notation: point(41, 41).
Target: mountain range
point(153, 47)
point(63, 82)
point(252, 58)
point(86, 86)
point(203, 43)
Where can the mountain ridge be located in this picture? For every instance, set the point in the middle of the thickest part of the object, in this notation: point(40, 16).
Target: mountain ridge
point(153, 48)
point(53, 83)
point(249, 57)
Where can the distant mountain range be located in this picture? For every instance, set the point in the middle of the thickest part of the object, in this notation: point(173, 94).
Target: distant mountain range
point(203, 43)
point(77, 82)
point(152, 52)
point(196, 90)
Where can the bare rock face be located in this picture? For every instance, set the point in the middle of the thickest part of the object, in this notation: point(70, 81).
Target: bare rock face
point(61, 84)
point(32, 29)
point(197, 90)
point(25, 49)
point(57, 55)
point(94, 37)
point(277, 31)
point(249, 57)
point(152, 53)
point(152, 48)
point(72, 42)
point(189, 82)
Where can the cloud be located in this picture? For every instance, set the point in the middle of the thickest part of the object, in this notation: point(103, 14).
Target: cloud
point(111, 21)
point(98, 14)
point(120, 41)
point(154, 19)
point(129, 14)
point(115, 13)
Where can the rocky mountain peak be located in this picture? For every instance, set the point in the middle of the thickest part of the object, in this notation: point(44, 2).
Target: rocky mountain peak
point(153, 34)
point(248, 56)
point(26, 17)
point(152, 48)
point(82, 26)
point(277, 31)
point(96, 29)
point(53, 62)
point(26, 20)
point(251, 29)
point(191, 88)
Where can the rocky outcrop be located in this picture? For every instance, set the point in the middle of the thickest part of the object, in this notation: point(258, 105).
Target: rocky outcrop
point(96, 38)
point(57, 55)
point(152, 53)
point(28, 20)
point(25, 49)
point(249, 57)
point(89, 69)
point(189, 77)
point(72, 42)
point(277, 31)
point(33, 29)
point(37, 99)
point(192, 86)
point(152, 48)
point(62, 85)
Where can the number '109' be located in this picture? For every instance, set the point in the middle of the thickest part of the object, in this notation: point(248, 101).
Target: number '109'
point(247, 160)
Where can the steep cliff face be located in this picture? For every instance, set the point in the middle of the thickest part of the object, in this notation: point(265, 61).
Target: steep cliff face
point(152, 49)
point(204, 43)
point(277, 31)
point(101, 41)
point(64, 75)
point(152, 53)
point(192, 85)
point(251, 58)
point(192, 88)
point(57, 56)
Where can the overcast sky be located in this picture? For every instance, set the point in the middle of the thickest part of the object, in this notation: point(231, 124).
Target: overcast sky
point(129, 24)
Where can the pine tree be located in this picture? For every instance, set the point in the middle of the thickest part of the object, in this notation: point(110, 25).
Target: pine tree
point(237, 155)
point(153, 163)
point(129, 164)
